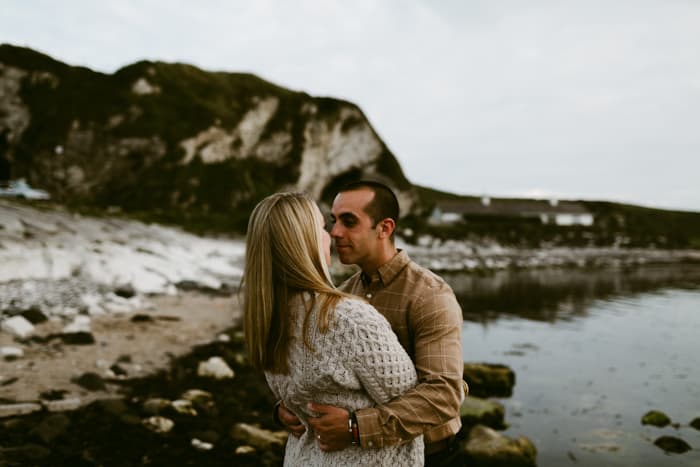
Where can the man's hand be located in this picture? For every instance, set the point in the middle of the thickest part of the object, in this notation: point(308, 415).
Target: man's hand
point(290, 421)
point(330, 427)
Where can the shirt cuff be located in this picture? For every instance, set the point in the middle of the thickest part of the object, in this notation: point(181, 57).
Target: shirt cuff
point(370, 431)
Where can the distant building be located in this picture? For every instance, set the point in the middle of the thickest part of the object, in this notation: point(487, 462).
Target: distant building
point(563, 213)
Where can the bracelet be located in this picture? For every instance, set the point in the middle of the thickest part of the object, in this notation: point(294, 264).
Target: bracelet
point(354, 429)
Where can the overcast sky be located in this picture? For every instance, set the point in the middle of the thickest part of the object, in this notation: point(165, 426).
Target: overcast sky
point(574, 99)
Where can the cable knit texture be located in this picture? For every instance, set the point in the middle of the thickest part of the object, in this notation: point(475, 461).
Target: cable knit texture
point(357, 363)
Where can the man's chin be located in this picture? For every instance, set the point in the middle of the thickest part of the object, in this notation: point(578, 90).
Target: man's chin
point(345, 259)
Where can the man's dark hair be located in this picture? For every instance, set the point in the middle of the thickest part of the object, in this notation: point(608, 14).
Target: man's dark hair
point(383, 205)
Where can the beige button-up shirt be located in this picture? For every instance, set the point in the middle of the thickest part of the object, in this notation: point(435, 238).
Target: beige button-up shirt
point(425, 315)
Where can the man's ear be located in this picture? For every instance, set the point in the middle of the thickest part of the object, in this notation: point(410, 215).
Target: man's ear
point(386, 227)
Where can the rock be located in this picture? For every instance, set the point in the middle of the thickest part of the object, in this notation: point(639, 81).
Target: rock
point(208, 436)
point(8, 381)
point(80, 323)
point(114, 406)
point(259, 438)
point(656, 418)
point(223, 338)
point(53, 394)
point(142, 318)
point(203, 401)
point(78, 338)
point(118, 370)
point(125, 291)
point(672, 444)
point(486, 447)
point(489, 380)
point(12, 410)
point(63, 405)
point(183, 407)
point(215, 368)
point(90, 381)
point(476, 411)
point(18, 326)
point(26, 454)
point(695, 423)
point(201, 445)
point(11, 353)
point(158, 424)
point(155, 405)
point(245, 450)
point(34, 315)
point(52, 427)
point(197, 396)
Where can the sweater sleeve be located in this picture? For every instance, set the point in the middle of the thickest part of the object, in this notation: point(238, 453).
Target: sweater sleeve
point(377, 358)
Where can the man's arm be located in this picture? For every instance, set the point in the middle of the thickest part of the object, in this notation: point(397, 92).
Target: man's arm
point(432, 407)
point(429, 406)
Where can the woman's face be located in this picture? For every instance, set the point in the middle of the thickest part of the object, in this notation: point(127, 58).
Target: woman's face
point(325, 236)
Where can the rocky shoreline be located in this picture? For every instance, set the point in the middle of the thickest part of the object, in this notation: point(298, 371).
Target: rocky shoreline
point(195, 413)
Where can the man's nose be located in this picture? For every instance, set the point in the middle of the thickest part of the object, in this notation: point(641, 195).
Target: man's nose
point(335, 230)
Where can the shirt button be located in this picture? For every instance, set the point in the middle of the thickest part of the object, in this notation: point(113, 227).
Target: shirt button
point(369, 295)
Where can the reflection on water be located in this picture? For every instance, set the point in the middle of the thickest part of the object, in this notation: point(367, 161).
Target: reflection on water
point(553, 294)
point(593, 351)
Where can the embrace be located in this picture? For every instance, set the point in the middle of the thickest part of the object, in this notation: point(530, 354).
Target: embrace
point(369, 373)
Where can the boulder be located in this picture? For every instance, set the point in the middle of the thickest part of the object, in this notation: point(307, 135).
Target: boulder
point(203, 401)
point(11, 353)
point(52, 427)
point(258, 438)
point(489, 380)
point(22, 408)
point(78, 338)
point(656, 418)
point(488, 448)
point(155, 405)
point(63, 405)
point(695, 423)
point(90, 381)
point(184, 407)
point(26, 454)
point(158, 424)
point(245, 450)
point(215, 368)
point(672, 444)
point(80, 323)
point(476, 411)
point(18, 326)
point(201, 445)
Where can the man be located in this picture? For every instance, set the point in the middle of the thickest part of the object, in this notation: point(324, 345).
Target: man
point(424, 314)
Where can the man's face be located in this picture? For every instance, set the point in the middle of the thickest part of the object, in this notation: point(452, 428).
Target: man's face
point(325, 238)
point(355, 238)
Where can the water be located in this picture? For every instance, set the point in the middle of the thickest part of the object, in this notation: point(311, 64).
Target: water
point(593, 351)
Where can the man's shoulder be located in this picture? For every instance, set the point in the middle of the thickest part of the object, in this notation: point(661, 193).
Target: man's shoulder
point(424, 276)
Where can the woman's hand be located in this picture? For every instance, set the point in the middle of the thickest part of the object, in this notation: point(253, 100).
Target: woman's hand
point(290, 421)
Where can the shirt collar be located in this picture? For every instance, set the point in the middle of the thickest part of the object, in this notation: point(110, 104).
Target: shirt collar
point(388, 271)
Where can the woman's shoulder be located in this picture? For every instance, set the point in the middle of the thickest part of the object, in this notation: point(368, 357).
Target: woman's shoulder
point(358, 312)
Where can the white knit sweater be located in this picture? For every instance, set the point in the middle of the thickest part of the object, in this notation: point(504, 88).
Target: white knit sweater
point(357, 363)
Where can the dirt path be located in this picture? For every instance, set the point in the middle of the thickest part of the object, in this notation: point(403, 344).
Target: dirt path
point(176, 324)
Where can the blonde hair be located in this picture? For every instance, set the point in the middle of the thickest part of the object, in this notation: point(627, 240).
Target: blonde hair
point(284, 256)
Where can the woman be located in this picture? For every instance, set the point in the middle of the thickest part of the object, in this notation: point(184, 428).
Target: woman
point(315, 343)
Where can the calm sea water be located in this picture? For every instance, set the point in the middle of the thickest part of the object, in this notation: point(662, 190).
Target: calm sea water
point(593, 351)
